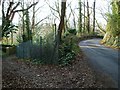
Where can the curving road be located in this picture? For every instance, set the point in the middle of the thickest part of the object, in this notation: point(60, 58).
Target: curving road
point(102, 58)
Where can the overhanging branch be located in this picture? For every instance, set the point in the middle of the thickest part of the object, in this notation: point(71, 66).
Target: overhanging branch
point(26, 8)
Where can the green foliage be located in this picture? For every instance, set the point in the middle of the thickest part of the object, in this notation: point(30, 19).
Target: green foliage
point(68, 49)
point(12, 28)
point(37, 61)
point(19, 39)
point(66, 59)
point(33, 61)
point(72, 31)
point(2, 54)
point(113, 26)
point(113, 20)
point(47, 45)
point(29, 33)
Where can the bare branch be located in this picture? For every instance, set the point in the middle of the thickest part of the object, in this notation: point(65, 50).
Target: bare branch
point(55, 15)
point(51, 8)
point(104, 16)
point(69, 4)
point(3, 14)
point(41, 20)
point(13, 13)
point(19, 15)
point(10, 6)
point(101, 29)
point(39, 8)
point(57, 7)
point(14, 9)
point(15, 6)
point(26, 8)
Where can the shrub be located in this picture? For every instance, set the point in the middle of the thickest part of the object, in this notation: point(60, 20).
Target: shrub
point(65, 60)
point(72, 31)
point(68, 49)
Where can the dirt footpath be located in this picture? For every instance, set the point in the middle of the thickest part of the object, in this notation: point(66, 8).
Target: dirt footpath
point(17, 73)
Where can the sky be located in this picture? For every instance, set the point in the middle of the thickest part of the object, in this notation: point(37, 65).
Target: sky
point(45, 11)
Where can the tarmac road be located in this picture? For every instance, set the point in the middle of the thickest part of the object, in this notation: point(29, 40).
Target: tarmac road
point(102, 58)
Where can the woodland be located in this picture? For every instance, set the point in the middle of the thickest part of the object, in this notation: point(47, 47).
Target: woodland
point(52, 41)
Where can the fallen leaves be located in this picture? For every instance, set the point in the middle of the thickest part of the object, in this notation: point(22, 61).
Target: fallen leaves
point(19, 74)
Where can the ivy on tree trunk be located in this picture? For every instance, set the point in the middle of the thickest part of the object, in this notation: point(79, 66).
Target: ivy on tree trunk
point(61, 24)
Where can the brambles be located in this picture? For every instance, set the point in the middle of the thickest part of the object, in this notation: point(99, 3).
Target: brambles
point(69, 48)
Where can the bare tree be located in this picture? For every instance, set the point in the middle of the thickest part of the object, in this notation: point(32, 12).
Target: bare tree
point(88, 17)
point(61, 24)
point(55, 11)
point(94, 16)
point(80, 16)
point(7, 17)
point(84, 16)
point(73, 14)
point(33, 18)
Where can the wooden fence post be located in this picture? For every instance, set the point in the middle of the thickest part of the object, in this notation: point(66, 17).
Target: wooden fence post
point(40, 48)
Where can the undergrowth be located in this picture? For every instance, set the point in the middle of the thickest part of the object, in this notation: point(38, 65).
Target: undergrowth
point(69, 48)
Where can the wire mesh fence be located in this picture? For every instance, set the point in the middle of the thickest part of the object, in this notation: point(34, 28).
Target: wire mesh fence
point(44, 51)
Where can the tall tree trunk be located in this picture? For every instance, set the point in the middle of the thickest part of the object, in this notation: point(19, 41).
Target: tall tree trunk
point(80, 16)
point(61, 24)
point(23, 24)
point(88, 18)
point(84, 16)
point(94, 17)
point(33, 19)
point(28, 26)
point(112, 35)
